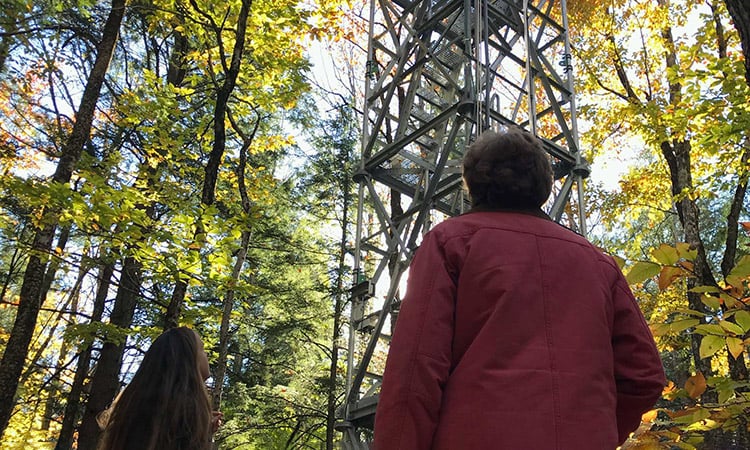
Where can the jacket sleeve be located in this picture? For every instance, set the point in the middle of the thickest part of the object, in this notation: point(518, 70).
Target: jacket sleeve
point(419, 358)
point(639, 373)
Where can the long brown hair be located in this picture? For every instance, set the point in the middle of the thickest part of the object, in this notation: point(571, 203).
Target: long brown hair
point(165, 406)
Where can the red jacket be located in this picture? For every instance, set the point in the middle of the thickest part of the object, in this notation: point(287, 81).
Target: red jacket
point(515, 334)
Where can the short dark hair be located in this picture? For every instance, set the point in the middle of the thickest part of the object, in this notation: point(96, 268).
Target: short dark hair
point(507, 170)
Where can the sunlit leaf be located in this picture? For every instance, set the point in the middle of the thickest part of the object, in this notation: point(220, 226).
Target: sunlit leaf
point(740, 271)
point(710, 344)
point(731, 327)
point(650, 416)
point(711, 302)
point(666, 255)
point(686, 252)
point(743, 320)
point(735, 346)
point(642, 271)
point(660, 329)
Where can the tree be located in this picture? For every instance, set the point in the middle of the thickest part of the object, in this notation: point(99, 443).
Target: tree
point(231, 73)
point(679, 95)
point(30, 298)
point(331, 198)
point(740, 12)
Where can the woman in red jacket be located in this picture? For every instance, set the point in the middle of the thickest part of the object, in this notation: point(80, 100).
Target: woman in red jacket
point(515, 333)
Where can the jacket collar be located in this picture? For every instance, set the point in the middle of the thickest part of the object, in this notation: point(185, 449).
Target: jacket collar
point(536, 212)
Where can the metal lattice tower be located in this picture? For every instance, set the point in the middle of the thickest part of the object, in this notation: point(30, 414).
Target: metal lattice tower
point(438, 73)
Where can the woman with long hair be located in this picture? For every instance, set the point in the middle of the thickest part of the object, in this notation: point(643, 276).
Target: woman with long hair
point(166, 405)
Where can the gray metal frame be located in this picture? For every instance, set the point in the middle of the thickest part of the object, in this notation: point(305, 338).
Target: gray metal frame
point(439, 72)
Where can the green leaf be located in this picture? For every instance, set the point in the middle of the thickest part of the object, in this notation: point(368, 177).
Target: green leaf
point(743, 320)
point(690, 312)
point(685, 252)
point(682, 325)
point(705, 289)
point(710, 344)
point(683, 446)
point(695, 416)
point(740, 271)
point(642, 271)
point(732, 327)
point(729, 301)
point(619, 261)
point(711, 302)
point(710, 328)
point(666, 255)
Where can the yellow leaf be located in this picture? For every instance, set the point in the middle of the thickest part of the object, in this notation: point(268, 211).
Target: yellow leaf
point(696, 385)
point(735, 346)
point(650, 416)
point(659, 329)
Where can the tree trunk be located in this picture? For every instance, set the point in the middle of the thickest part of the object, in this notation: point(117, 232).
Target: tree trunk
point(677, 155)
point(338, 308)
point(53, 399)
point(221, 364)
point(7, 30)
point(49, 277)
point(30, 295)
point(14, 267)
point(740, 12)
point(73, 405)
point(106, 380)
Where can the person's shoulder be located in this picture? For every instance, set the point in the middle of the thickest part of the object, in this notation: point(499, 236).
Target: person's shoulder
point(453, 226)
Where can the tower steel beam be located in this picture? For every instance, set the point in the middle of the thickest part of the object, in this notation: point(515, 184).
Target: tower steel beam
point(439, 72)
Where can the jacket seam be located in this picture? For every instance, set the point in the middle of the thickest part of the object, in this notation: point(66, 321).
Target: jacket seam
point(550, 345)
